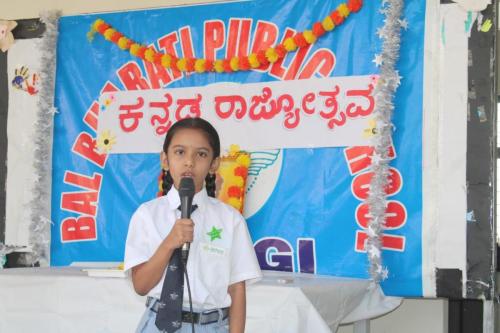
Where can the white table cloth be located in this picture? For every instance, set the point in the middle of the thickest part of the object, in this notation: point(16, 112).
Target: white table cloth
point(66, 300)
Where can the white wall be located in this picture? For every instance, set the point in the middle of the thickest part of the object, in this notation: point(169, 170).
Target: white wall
point(10, 9)
point(413, 316)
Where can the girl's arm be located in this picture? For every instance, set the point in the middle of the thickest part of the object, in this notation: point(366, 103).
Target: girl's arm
point(147, 275)
point(237, 311)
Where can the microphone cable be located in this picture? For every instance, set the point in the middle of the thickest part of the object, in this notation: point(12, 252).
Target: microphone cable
point(184, 261)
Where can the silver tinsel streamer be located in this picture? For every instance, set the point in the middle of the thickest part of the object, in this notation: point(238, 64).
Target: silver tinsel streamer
point(386, 86)
point(39, 238)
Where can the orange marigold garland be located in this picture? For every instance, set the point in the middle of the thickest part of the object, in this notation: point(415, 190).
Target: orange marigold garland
point(235, 64)
point(233, 171)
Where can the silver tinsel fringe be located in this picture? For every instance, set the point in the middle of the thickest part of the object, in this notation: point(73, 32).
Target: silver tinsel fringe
point(387, 84)
point(39, 238)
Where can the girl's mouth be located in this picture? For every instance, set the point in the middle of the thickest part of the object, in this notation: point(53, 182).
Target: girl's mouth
point(188, 174)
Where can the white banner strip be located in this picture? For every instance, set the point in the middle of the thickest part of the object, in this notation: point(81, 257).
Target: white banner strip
point(326, 112)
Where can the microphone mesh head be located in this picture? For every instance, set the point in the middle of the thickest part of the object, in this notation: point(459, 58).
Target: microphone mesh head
point(186, 187)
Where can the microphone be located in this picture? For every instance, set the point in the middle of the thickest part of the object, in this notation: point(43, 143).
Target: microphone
point(186, 194)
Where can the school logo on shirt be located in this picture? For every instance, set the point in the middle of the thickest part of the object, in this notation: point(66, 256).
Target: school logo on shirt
point(215, 234)
point(209, 248)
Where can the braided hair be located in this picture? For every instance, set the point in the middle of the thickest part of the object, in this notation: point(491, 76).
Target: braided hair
point(210, 184)
point(167, 181)
point(213, 139)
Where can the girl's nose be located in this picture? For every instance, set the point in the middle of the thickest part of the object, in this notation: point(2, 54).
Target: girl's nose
point(189, 161)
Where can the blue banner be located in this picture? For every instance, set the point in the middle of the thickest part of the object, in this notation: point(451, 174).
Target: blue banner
point(308, 215)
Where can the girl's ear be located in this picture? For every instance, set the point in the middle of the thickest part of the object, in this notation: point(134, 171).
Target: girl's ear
point(164, 160)
point(215, 165)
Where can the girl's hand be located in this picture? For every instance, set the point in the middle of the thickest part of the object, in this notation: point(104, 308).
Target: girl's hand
point(147, 275)
point(182, 232)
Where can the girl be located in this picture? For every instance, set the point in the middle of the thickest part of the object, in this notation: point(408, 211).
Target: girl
point(221, 256)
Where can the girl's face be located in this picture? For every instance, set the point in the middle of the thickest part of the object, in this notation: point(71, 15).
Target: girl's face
point(189, 155)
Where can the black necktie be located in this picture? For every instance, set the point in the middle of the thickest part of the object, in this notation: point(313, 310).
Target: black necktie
point(169, 316)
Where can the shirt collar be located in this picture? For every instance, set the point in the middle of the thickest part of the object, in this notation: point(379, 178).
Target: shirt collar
point(200, 198)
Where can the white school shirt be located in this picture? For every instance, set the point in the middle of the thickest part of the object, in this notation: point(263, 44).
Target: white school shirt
point(221, 253)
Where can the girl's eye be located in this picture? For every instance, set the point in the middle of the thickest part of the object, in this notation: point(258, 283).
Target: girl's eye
point(202, 154)
point(179, 152)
